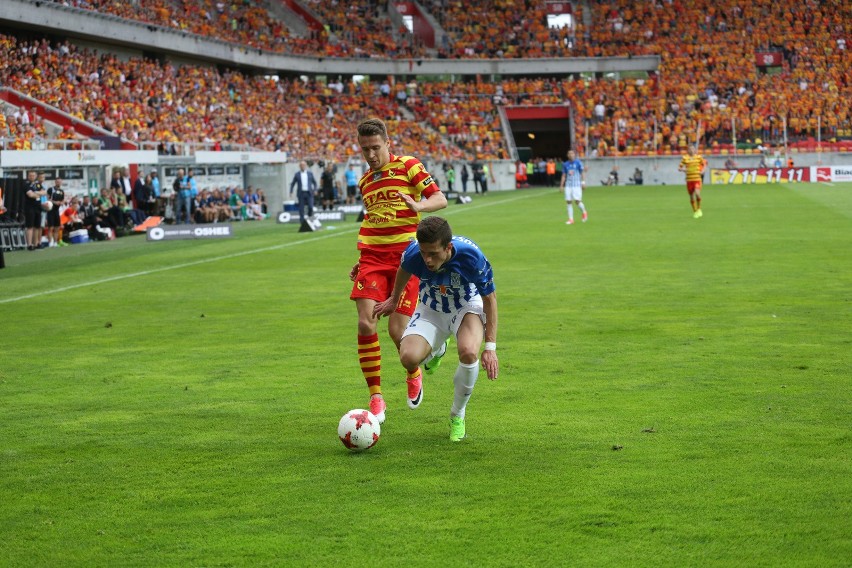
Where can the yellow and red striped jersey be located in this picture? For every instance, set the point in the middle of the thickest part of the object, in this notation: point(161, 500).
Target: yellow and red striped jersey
point(389, 225)
point(695, 165)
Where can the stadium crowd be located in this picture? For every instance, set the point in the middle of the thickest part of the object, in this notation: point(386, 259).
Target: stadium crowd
point(142, 100)
point(708, 85)
point(240, 22)
point(361, 29)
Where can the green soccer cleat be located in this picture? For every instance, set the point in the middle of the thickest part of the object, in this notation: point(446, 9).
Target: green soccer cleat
point(456, 429)
point(435, 361)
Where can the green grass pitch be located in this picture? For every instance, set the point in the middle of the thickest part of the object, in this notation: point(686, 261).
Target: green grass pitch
point(673, 392)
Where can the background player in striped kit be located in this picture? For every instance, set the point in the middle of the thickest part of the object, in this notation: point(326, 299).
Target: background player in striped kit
point(457, 297)
point(395, 190)
point(573, 182)
point(693, 164)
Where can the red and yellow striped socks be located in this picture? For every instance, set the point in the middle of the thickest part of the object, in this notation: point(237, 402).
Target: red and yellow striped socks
point(370, 359)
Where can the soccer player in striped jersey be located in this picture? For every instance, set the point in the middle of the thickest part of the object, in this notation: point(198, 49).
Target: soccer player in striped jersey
point(457, 297)
point(693, 164)
point(573, 182)
point(395, 191)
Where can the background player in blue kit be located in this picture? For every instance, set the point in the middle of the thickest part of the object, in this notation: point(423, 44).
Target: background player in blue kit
point(573, 182)
point(457, 298)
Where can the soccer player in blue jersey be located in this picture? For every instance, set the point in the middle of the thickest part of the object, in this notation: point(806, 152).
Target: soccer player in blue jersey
point(457, 298)
point(573, 182)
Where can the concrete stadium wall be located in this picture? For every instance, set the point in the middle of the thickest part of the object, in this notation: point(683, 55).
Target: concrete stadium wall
point(275, 178)
point(657, 171)
point(661, 170)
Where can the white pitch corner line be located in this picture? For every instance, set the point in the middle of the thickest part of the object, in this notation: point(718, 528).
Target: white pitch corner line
point(222, 257)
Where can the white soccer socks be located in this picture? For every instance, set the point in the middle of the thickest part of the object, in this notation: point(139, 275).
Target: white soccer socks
point(464, 380)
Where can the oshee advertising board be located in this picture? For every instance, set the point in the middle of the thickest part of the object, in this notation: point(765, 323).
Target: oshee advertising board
point(744, 176)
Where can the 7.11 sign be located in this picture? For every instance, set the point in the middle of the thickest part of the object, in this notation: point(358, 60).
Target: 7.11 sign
point(760, 175)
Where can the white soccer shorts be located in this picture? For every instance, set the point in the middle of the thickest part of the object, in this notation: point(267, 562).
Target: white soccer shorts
point(574, 193)
point(435, 327)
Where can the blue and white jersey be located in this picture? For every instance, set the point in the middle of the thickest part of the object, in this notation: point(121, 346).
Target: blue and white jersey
point(573, 171)
point(465, 275)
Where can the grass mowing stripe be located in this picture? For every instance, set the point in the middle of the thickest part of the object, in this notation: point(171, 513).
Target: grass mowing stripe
point(224, 257)
point(167, 268)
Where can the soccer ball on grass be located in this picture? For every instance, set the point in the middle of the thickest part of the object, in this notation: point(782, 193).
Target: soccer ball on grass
point(359, 430)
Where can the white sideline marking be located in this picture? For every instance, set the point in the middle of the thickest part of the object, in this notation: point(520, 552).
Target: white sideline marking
point(165, 268)
point(232, 255)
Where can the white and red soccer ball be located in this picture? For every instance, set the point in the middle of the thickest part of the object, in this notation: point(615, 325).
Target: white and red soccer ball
point(359, 430)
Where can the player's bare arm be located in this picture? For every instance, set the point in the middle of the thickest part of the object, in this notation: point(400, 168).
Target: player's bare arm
point(434, 202)
point(489, 356)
